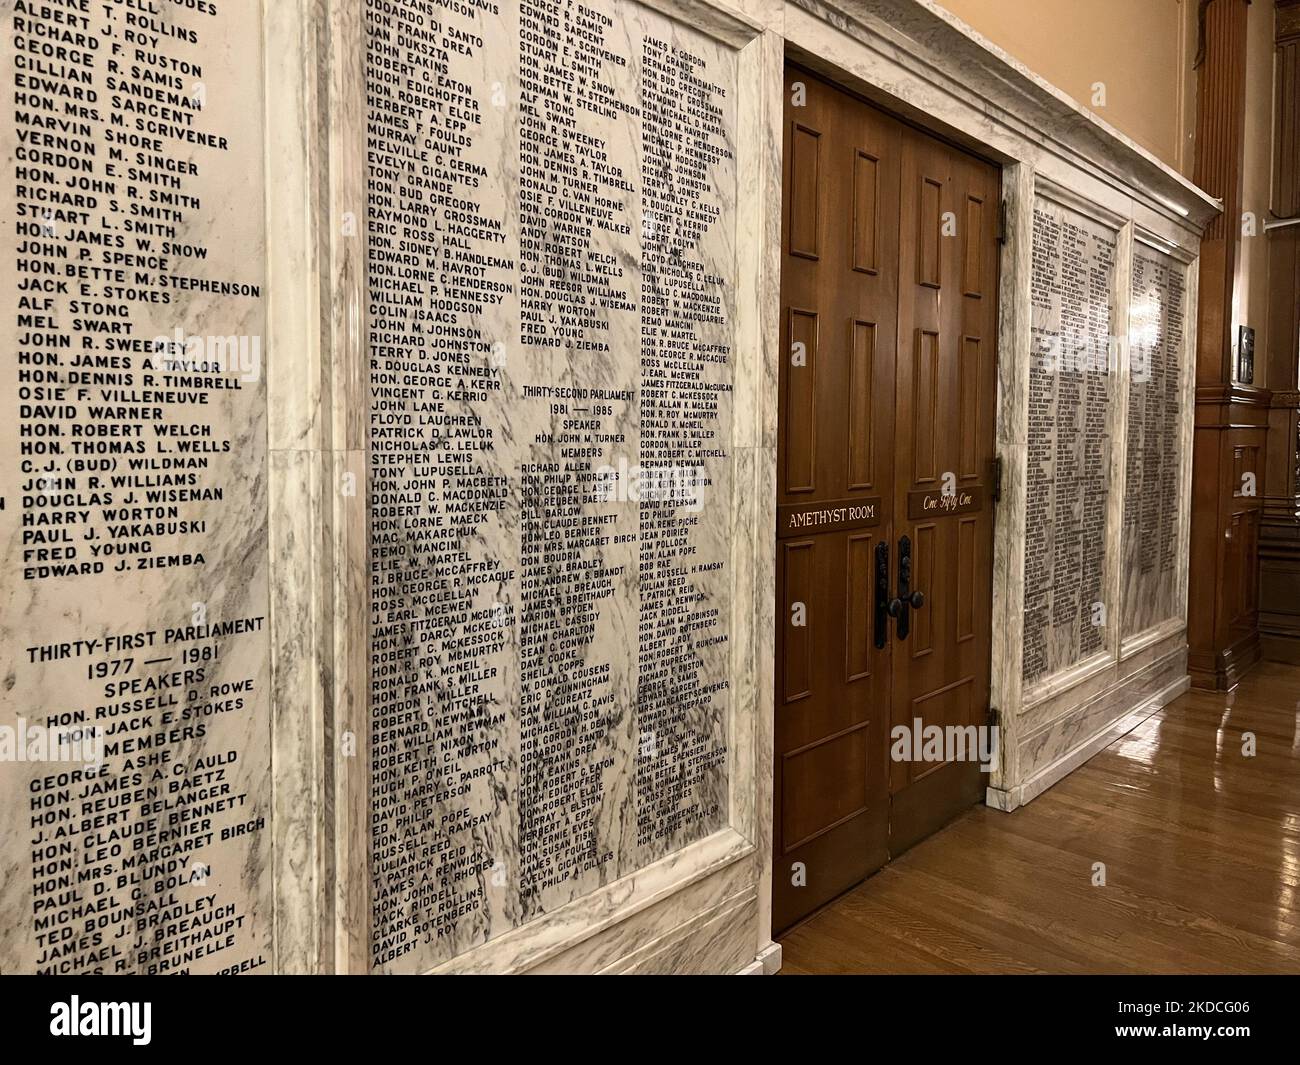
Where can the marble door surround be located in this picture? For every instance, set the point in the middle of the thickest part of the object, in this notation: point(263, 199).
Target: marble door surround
point(704, 907)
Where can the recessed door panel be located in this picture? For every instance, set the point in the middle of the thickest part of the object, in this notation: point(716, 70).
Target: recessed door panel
point(799, 425)
point(804, 179)
point(861, 455)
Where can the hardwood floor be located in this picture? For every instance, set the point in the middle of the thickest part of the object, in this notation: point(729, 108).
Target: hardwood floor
point(1201, 848)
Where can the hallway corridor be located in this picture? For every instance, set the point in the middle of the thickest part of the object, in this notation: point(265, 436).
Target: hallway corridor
point(1200, 844)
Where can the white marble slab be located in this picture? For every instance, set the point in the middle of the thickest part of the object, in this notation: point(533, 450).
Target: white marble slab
point(134, 518)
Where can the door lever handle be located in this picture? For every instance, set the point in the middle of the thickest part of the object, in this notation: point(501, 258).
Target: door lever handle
point(883, 612)
point(907, 599)
point(916, 600)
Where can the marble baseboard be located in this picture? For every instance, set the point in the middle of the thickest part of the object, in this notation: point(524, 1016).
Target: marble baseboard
point(714, 944)
point(1102, 721)
point(768, 962)
point(697, 931)
point(589, 933)
point(705, 928)
point(1084, 687)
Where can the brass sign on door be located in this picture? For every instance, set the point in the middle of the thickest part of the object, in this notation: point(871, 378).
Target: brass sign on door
point(834, 515)
point(939, 504)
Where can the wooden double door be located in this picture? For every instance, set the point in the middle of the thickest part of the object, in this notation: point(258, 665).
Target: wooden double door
point(885, 471)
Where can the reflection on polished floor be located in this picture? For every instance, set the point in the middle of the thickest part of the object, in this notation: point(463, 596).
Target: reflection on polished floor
point(1201, 848)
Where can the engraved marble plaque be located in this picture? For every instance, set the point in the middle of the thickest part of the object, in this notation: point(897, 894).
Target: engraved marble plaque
point(134, 716)
point(1154, 456)
point(1068, 477)
point(551, 259)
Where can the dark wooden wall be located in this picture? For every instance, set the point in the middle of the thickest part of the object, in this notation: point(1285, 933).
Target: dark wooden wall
point(1279, 599)
point(1231, 417)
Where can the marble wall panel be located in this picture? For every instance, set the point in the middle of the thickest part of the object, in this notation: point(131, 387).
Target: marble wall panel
point(134, 709)
point(551, 227)
point(1068, 482)
point(1153, 484)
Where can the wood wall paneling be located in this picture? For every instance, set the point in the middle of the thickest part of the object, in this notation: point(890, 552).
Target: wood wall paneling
point(1279, 519)
point(1223, 637)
